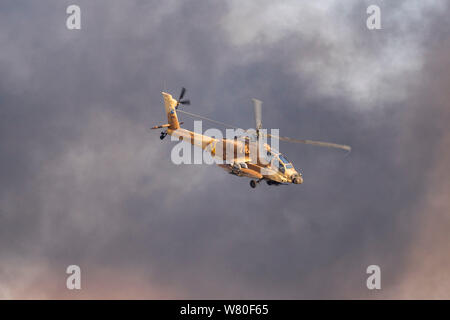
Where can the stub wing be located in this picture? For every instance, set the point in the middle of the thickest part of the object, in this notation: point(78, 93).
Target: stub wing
point(241, 172)
point(249, 173)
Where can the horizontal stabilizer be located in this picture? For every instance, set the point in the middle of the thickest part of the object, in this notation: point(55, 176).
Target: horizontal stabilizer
point(163, 126)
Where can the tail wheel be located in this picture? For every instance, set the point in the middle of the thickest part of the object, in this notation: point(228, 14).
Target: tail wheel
point(253, 184)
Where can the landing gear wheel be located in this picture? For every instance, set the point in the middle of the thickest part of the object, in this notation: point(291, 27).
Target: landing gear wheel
point(163, 135)
point(253, 184)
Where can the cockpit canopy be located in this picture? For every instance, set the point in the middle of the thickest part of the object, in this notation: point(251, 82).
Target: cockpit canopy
point(271, 153)
point(285, 161)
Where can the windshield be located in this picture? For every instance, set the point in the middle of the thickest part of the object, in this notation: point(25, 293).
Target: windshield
point(285, 161)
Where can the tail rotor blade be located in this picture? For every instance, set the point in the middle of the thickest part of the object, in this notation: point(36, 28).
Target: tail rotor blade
point(183, 91)
point(185, 102)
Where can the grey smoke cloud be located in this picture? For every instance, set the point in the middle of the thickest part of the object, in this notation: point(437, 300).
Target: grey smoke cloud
point(84, 182)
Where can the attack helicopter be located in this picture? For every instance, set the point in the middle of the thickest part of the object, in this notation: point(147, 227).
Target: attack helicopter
point(246, 155)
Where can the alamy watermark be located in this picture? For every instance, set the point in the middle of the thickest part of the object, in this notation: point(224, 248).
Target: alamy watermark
point(73, 281)
point(73, 21)
point(374, 280)
point(238, 146)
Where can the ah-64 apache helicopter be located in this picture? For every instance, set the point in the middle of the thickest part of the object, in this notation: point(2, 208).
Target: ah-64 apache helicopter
point(268, 164)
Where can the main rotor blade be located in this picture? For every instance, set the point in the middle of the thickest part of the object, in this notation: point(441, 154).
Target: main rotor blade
point(207, 119)
point(287, 139)
point(257, 107)
point(312, 142)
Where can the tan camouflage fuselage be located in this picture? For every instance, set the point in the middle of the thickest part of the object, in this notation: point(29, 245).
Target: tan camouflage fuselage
point(241, 157)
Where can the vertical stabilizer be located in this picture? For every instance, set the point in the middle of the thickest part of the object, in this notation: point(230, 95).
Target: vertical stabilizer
point(170, 104)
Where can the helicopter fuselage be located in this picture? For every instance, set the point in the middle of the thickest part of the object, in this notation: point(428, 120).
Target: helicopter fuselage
point(243, 157)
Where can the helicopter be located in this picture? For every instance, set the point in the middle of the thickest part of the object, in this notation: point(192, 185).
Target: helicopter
point(246, 155)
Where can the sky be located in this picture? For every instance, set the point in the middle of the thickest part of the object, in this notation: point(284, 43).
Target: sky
point(84, 181)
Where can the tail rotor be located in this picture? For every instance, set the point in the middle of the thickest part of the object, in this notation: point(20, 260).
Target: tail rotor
point(180, 99)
